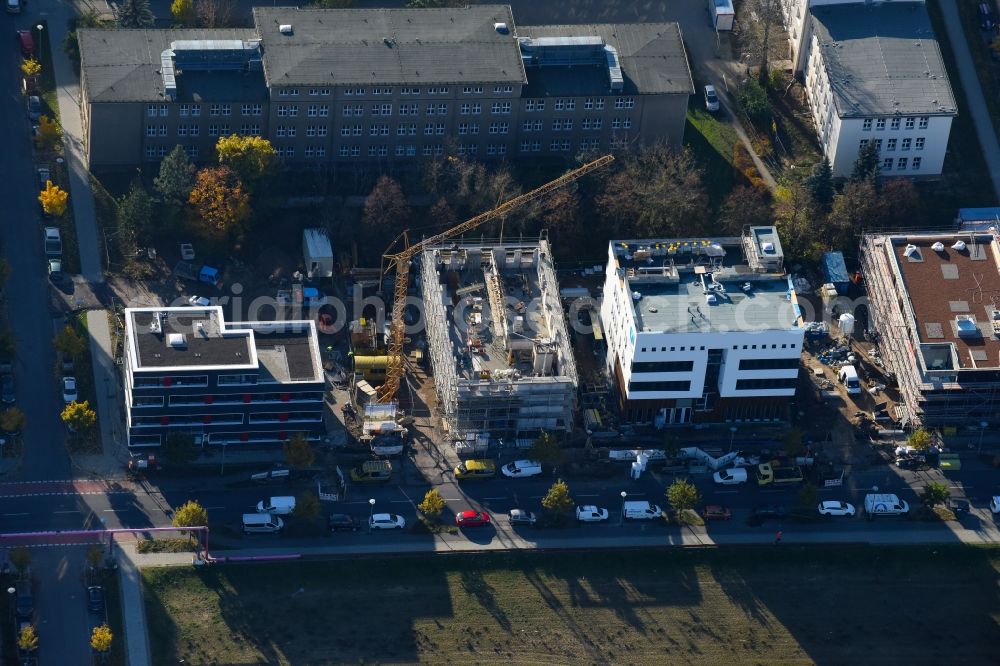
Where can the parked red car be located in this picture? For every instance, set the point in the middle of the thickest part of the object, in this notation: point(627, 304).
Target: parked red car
point(472, 518)
point(26, 42)
point(716, 512)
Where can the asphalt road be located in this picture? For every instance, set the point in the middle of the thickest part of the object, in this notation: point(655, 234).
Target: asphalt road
point(63, 625)
point(67, 506)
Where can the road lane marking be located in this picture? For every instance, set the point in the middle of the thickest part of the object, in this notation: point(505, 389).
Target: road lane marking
point(68, 511)
point(214, 507)
point(725, 492)
point(17, 514)
point(505, 497)
point(594, 495)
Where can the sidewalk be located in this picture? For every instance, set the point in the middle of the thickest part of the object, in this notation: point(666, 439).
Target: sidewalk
point(973, 92)
point(82, 199)
point(133, 606)
point(111, 463)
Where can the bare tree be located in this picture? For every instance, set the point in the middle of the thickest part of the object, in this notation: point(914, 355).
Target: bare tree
point(767, 18)
point(214, 13)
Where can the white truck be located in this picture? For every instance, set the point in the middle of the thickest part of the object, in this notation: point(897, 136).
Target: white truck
point(884, 504)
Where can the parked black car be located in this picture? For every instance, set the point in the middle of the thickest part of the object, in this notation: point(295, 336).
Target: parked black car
point(914, 463)
point(341, 522)
point(7, 389)
point(25, 601)
point(767, 512)
point(95, 598)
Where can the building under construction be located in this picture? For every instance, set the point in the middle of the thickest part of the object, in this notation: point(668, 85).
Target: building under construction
point(497, 338)
point(935, 311)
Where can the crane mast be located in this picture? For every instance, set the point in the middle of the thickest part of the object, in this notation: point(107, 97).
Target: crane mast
point(401, 262)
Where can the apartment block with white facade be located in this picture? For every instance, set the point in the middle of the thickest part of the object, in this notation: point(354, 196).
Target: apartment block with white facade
point(702, 330)
point(874, 73)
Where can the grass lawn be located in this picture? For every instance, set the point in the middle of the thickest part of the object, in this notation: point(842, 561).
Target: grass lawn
point(713, 144)
point(83, 370)
point(965, 182)
point(742, 605)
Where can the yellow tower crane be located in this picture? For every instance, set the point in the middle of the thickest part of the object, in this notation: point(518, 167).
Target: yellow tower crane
point(401, 262)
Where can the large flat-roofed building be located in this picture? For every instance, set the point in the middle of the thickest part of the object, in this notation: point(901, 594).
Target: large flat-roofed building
point(188, 370)
point(701, 330)
point(351, 86)
point(499, 347)
point(934, 302)
point(874, 74)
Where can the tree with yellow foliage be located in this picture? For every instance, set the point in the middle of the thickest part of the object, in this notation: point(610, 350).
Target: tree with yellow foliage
point(249, 156)
point(100, 639)
point(220, 199)
point(48, 135)
point(183, 13)
point(54, 199)
point(31, 68)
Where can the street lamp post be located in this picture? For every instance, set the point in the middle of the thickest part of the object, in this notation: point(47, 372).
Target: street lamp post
point(371, 513)
point(222, 470)
point(732, 436)
point(621, 521)
point(982, 429)
point(11, 591)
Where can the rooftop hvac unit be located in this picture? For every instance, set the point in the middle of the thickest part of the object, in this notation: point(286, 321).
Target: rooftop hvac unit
point(285, 28)
point(636, 296)
point(711, 299)
point(959, 245)
point(176, 340)
point(910, 250)
point(767, 247)
point(938, 247)
point(501, 28)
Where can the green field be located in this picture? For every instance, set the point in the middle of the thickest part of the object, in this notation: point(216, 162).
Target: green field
point(774, 605)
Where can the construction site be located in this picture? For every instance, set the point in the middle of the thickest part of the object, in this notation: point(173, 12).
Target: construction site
point(934, 312)
point(497, 339)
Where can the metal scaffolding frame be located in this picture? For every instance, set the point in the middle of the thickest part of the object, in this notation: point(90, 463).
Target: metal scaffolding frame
point(503, 405)
point(925, 403)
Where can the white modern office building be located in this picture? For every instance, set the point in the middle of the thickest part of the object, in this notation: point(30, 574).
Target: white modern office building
point(702, 330)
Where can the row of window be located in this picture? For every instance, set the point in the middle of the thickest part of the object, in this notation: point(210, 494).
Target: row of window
point(769, 363)
point(662, 366)
point(141, 401)
point(312, 110)
point(323, 110)
point(759, 384)
point(894, 123)
point(634, 387)
point(225, 419)
point(890, 144)
point(901, 164)
point(400, 150)
point(377, 129)
point(290, 131)
point(294, 92)
point(570, 104)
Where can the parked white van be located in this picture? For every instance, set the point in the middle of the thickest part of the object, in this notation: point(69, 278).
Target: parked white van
point(731, 476)
point(642, 511)
point(261, 523)
point(280, 506)
point(849, 378)
point(521, 468)
point(885, 505)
